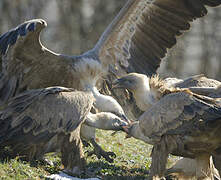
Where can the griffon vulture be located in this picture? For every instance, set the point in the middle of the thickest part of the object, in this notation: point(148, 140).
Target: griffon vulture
point(26, 64)
point(45, 120)
point(150, 93)
point(136, 40)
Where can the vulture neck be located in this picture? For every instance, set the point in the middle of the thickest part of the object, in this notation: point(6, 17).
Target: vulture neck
point(103, 120)
point(145, 97)
point(136, 132)
point(106, 103)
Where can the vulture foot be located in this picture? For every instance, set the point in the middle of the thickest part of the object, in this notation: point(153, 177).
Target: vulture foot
point(99, 152)
point(85, 143)
point(42, 161)
point(46, 161)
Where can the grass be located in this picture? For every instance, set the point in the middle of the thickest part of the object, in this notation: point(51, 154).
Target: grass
point(132, 161)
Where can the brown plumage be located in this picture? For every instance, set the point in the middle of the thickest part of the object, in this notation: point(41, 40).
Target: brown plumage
point(34, 118)
point(136, 40)
point(26, 65)
point(184, 125)
point(47, 120)
point(168, 104)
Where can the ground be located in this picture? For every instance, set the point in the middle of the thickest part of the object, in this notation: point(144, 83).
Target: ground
point(132, 161)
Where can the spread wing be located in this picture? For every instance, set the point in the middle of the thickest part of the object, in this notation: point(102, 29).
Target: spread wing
point(141, 34)
point(37, 115)
point(27, 64)
point(180, 113)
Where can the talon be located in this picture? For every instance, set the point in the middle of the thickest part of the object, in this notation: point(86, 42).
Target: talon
point(85, 143)
point(112, 154)
point(113, 134)
point(98, 151)
point(109, 156)
point(93, 152)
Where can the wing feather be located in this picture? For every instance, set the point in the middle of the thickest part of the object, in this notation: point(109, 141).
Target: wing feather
point(139, 37)
point(179, 113)
point(197, 81)
point(44, 111)
point(27, 64)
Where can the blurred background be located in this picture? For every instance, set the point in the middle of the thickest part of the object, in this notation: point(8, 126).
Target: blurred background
point(74, 26)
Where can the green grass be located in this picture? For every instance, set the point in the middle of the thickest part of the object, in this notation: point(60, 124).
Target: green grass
point(132, 161)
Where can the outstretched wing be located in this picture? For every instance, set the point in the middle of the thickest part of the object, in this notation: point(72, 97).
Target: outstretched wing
point(180, 113)
point(42, 113)
point(141, 34)
point(27, 64)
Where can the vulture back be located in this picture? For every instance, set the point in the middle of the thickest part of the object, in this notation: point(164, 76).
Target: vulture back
point(34, 117)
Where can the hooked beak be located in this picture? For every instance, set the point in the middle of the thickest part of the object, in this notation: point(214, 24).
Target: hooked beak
point(119, 126)
point(124, 118)
point(123, 125)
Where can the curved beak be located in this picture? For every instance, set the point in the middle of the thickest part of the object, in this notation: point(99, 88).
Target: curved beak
point(124, 118)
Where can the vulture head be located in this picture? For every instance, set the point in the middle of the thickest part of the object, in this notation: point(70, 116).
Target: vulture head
point(106, 121)
point(144, 89)
point(134, 82)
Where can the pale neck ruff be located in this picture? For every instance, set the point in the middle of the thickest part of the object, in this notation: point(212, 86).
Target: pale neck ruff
point(144, 97)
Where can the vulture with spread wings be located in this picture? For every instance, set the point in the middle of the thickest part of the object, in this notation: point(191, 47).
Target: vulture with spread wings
point(136, 40)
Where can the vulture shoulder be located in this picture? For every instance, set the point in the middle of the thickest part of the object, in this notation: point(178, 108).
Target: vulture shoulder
point(143, 31)
point(181, 113)
point(40, 114)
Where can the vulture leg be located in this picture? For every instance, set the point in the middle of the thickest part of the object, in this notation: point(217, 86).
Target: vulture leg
point(88, 134)
point(98, 151)
point(72, 153)
point(159, 161)
point(204, 166)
